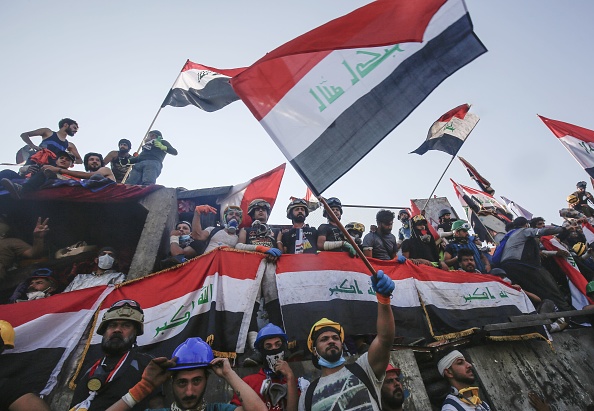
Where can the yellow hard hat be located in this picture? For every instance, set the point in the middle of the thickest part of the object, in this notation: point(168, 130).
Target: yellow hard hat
point(572, 199)
point(580, 248)
point(7, 333)
point(320, 327)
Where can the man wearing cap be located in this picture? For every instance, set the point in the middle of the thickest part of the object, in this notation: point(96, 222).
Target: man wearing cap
point(148, 164)
point(119, 160)
point(105, 272)
point(111, 376)
point(381, 243)
point(358, 385)
point(64, 161)
point(392, 392)
point(301, 238)
point(275, 383)
point(459, 374)
point(188, 370)
point(463, 240)
point(41, 284)
point(14, 395)
point(94, 166)
point(519, 255)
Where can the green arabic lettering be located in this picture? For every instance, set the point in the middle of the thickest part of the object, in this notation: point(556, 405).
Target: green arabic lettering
point(322, 106)
point(586, 147)
point(174, 321)
point(355, 79)
point(365, 68)
point(357, 288)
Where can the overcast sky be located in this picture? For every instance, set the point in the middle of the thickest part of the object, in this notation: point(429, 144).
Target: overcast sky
point(109, 65)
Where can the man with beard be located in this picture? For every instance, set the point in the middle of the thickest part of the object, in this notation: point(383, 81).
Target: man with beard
point(381, 243)
point(188, 370)
point(94, 166)
point(105, 273)
point(459, 374)
point(54, 141)
point(110, 377)
point(275, 382)
point(119, 160)
point(392, 392)
point(330, 238)
point(462, 240)
point(149, 163)
point(357, 385)
point(301, 238)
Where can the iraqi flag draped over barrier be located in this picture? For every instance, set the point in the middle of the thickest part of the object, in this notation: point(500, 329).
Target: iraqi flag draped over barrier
point(46, 333)
point(328, 97)
point(205, 87)
point(450, 131)
point(427, 302)
point(577, 140)
point(265, 187)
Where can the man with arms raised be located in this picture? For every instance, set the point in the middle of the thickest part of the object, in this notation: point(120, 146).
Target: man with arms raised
point(358, 385)
point(188, 370)
point(55, 141)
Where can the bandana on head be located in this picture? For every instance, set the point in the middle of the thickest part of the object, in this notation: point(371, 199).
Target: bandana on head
point(447, 361)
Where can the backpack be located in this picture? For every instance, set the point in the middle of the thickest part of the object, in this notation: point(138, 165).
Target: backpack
point(200, 245)
point(358, 372)
point(499, 251)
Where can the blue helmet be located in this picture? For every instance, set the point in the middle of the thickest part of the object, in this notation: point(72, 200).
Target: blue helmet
point(193, 353)
point(268, 331)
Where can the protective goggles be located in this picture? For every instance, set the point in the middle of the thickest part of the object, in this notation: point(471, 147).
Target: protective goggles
point(122, 303)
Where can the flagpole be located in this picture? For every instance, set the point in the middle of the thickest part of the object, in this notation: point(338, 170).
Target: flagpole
point(150, 127)
point(446, 169)
point(347, 236)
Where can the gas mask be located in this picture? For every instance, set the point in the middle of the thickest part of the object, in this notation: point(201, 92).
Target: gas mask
point(232, 226)
point(105, 262)
point(261, 228)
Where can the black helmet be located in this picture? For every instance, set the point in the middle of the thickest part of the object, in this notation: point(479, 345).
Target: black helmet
point(581, 184)
point(403, 212)
point(298, 202)
point(444, 212)
point(333, 202)
point(258, 202)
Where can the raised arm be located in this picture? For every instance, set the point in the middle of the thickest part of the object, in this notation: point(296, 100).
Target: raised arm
point(198, 233)
point(43, 132)
point(39, 232)
point(379, 350)
point(250, 400)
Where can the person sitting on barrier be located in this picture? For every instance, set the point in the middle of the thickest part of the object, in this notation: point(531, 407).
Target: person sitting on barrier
point(462, 240)
point(275, 382)
point(421, 247)
point(41, 284)
point(220, 236)
point(105, 273)
point(188, 370)
point(365, 376)
point(330, 238)
point(180, 244)
point(94, 168)
point(392, 391)
point(15, 396)
point(382, 243)
point(460, 375)
point(301, 238)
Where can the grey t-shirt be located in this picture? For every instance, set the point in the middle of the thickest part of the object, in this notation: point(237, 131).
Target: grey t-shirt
point(343, 391)
point(374, 241)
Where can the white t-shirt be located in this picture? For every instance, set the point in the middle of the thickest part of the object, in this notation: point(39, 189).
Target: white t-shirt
point(90, 280)
point(343, 391)
point(220, 239)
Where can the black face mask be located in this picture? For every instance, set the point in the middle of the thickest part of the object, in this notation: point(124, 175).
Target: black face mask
point(271, 357)
point(460, 240)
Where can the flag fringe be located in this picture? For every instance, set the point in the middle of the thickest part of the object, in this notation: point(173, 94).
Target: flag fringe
point(522, 337)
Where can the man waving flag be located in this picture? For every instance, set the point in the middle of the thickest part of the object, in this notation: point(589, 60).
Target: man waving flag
point(328, 97)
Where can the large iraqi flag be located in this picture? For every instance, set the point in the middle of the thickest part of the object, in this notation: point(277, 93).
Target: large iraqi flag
point(328, 97)
point(205, 87)
point(427, 303)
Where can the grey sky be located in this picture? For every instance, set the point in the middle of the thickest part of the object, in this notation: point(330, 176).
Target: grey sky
point(110, 64)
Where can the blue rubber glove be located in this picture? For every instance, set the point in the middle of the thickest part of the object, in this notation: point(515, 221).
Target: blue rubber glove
point(401, 259)
point(348, 247)
point(275, 252)
point(383, 285)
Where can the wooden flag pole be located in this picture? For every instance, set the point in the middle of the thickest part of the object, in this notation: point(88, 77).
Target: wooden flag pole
point(149, 129)
point(347, 236)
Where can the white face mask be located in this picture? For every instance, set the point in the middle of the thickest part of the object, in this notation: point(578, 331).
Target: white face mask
point(105, 261)
point(35, 295)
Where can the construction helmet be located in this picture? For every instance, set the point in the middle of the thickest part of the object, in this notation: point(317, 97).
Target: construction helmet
point(401, 213)
point(128, 310)
point(581, 184)
point(192, 353)
point(590, 287)
point(580, 248)
point(572, 199)
point(321, 326)
point(360, 228)
point(419, 218)
point(258, 202)
point(7, 334)
point(235, 209)
point(460, 225)
point(444, 212)
point(269, 331)
point(333, 202)
point(298, 202)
